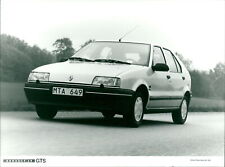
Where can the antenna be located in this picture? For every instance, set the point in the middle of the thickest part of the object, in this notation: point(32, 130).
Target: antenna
point(128, 33)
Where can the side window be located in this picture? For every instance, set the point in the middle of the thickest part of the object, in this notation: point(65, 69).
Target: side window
point(158, 56)
point(178, 65)
point(170, 60)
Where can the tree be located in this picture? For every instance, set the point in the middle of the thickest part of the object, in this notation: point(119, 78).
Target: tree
point(64, 49)
point(187, 62)
point(218, 71)
point(87, 42)
point(18, 58)
point(201, 85)
point(217, 76)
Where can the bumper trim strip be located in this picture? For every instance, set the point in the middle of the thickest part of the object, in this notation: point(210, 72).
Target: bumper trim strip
point(116, 94)
point(36, 88)
point(73, 84)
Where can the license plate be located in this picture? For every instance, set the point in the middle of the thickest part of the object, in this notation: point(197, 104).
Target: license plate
point(67, 91)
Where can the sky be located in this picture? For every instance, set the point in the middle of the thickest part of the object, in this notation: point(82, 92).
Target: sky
point(196, 29)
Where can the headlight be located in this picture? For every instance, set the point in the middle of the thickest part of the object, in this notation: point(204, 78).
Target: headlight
point(41, 76)
point(106, 81)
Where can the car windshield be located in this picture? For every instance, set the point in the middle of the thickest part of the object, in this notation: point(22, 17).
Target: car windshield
point(115, 52)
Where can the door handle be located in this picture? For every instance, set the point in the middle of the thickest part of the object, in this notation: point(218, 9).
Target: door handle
point(168, 76)
point(183, 78)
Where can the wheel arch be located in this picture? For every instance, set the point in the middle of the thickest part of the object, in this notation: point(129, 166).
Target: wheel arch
point(144, 91)
point(188, 95)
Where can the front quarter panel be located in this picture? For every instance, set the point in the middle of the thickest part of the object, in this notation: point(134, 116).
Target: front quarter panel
point(133, 79)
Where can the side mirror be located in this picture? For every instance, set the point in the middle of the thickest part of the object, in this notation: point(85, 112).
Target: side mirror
point(160, 67)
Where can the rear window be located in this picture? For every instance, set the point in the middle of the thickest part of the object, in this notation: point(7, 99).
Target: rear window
point(170, 61)
point(177, 64)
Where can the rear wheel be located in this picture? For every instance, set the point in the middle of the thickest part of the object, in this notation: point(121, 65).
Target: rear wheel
point(135, 113)
point(46, 112)
point(180, 116)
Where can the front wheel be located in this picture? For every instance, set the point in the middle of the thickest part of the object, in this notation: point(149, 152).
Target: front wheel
point(180, 116)
point(135, 113)
point(46, 112)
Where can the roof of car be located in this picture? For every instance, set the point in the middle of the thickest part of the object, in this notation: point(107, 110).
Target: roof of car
point(125, 42)
point(137, 43)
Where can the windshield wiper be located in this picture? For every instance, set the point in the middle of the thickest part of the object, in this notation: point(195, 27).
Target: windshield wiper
point(80, 59)
point(111, 61)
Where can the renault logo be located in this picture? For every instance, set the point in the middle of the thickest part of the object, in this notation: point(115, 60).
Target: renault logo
point(70, 78)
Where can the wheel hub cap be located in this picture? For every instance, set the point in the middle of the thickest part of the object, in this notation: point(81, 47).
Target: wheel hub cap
point(138, 109)
point(184, 109)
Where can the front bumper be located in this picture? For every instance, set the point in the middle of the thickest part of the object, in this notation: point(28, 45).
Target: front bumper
point(94, 97)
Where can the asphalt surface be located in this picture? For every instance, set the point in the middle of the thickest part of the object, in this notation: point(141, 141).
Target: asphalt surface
point(87, 133)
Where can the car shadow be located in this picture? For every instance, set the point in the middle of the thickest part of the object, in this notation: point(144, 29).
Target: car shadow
point(100, 121)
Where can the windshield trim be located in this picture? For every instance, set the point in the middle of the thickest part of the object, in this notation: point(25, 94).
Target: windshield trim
point(149, 54)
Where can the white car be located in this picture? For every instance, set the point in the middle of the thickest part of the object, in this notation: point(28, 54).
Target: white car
point(131, 79)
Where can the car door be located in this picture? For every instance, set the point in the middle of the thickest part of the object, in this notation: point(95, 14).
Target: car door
point(158, 83)
point(176, 80)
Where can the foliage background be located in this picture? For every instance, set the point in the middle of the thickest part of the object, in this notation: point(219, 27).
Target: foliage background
point(18, 59)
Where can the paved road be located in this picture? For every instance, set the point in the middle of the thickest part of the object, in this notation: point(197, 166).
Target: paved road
point(76, 133)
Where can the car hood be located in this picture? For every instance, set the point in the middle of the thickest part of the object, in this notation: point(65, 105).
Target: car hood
point(84, 72)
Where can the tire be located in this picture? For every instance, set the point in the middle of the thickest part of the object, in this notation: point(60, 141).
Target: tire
point(180, 116)
point(46, 112)
point(108, 115)
point(135, 112)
